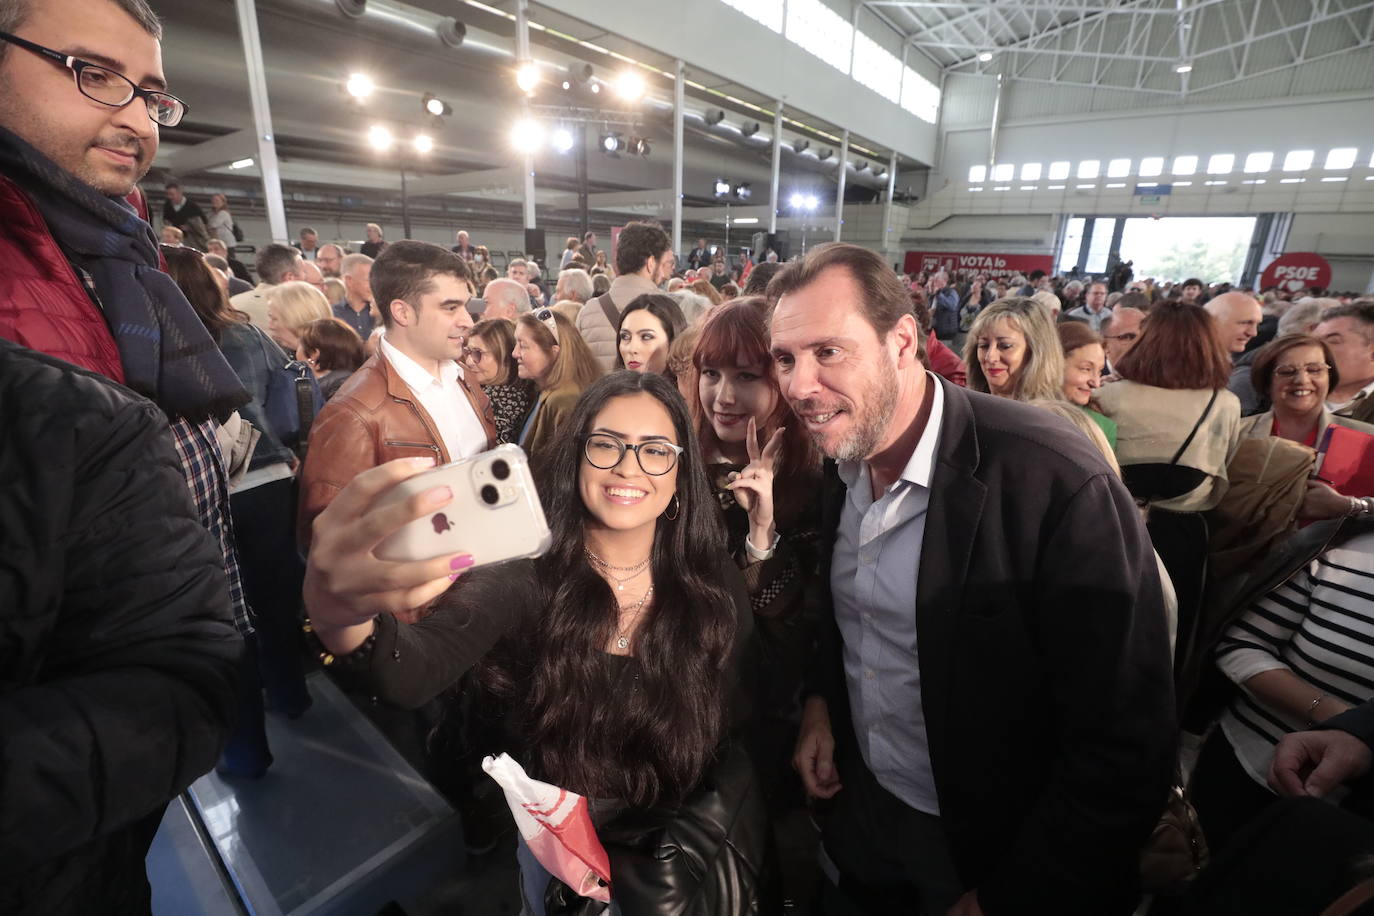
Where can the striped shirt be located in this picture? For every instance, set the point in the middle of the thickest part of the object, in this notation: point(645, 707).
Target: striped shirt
point(1319, 625)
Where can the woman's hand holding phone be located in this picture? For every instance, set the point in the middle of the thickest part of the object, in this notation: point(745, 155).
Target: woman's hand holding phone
point(346, 585)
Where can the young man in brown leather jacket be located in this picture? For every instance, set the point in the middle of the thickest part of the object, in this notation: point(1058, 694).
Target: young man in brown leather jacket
point(411, 399)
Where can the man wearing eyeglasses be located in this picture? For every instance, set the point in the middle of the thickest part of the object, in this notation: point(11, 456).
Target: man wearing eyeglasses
point(1120, 330)
point(120, 717)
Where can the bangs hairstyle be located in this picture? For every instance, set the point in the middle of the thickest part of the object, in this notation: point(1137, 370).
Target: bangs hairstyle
point(499, 336)
point(651, 745)
point(574, 365)
point(735, 336)
point(1267, 360)
point(1177, 349)
point(406, 269)
point(1042, 370)
point(883, 298)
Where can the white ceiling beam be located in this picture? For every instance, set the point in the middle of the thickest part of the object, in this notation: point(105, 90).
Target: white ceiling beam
point(241, 144)
point(503, 182)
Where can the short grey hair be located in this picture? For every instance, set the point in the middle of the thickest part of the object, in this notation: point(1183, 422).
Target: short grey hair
point(14, 13)
point(351, 262)
point(576, 284)
point(1301, 317)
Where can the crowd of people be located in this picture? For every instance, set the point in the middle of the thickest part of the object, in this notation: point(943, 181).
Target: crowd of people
point(1016, 594)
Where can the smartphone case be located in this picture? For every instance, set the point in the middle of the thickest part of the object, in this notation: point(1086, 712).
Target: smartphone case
point(514, 528)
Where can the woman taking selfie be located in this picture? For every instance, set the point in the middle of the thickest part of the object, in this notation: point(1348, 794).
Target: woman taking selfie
point(488, 361)
point(552, 354)
point(647, 329)
point(1013, 352)
point(616, 654)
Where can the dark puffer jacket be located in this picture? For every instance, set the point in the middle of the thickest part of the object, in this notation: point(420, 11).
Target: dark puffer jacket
point(117, 650)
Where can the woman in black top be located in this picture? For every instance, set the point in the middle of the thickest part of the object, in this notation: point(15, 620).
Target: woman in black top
point(487, 361)
point(617, 653)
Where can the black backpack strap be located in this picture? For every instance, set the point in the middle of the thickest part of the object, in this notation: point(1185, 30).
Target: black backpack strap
point(305, 406)
point(1196, 426)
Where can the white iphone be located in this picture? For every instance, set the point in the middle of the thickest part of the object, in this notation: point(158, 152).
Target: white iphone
point(495, 514)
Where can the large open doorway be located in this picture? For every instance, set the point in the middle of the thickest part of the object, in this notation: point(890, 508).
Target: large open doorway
point(1211, 248)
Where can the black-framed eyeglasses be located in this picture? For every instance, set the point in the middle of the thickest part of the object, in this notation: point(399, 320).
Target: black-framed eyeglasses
point(655, 458)
point(109, 87)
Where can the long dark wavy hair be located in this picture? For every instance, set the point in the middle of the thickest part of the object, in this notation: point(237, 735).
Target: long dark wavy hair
point(585, 732)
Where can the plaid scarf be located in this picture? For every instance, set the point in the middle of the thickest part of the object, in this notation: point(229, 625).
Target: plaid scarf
point(167, 354)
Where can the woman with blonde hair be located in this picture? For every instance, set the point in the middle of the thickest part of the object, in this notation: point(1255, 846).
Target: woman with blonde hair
point(290, 307)
point(1013, 352)
point(550, 352)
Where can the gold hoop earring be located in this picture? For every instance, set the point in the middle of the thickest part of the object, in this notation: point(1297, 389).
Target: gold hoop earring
point(676, 507)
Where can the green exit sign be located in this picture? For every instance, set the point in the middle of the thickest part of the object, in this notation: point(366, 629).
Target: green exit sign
point(1149, 198)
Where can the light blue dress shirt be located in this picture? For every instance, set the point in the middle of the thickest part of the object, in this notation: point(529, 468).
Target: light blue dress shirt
point(873, 576)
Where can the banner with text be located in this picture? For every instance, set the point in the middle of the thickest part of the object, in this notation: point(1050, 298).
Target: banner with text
point(996, 266)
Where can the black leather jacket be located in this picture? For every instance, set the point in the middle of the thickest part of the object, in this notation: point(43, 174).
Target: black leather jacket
point(708, 857)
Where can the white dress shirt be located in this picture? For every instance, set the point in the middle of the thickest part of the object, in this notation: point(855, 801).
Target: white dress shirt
point(874, 568)
point(444, 399)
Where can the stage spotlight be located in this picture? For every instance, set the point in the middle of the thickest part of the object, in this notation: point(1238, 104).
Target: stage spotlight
point(743, 190)
point(749, 128)
point(596, 88)
point(637, 146)
point(713, 116)
point(810, 203)
point(800, 146)
point(527, 76)
point(380, 138)
point(436, 106)
point(359, 85)
point(985, 57)
point(423, 143)
point(629, 85)
point(721, 187)
point(566, 85)
point(796, 201)
point(579, 74)
point(527, 136)
point(562, 140)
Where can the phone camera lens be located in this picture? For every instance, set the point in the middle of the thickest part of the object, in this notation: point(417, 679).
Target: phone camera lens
point(499, 469)
point(490, 496)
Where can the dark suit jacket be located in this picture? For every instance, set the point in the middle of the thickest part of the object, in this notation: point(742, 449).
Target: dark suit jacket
point(1045, 673)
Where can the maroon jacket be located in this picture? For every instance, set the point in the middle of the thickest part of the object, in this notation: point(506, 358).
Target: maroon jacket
point(43, 305)
point(944, 361)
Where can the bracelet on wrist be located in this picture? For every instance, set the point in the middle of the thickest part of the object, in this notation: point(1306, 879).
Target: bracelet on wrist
point(358, 658)
point(1312, 709)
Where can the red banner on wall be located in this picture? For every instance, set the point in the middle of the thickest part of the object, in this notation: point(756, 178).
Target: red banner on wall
point(1295, 271)
point(997, 266)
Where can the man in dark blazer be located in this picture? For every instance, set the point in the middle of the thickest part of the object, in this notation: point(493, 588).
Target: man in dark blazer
point(992, 707)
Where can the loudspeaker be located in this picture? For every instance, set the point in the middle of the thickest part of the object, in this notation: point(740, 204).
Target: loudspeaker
point(534, 246)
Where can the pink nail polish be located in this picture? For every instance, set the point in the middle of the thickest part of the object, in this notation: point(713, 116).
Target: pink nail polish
point(463, 561)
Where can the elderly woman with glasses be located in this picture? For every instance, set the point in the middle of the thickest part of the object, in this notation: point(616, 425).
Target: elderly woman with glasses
point(1295, 373)
point(550, 353)
point(488, 361)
